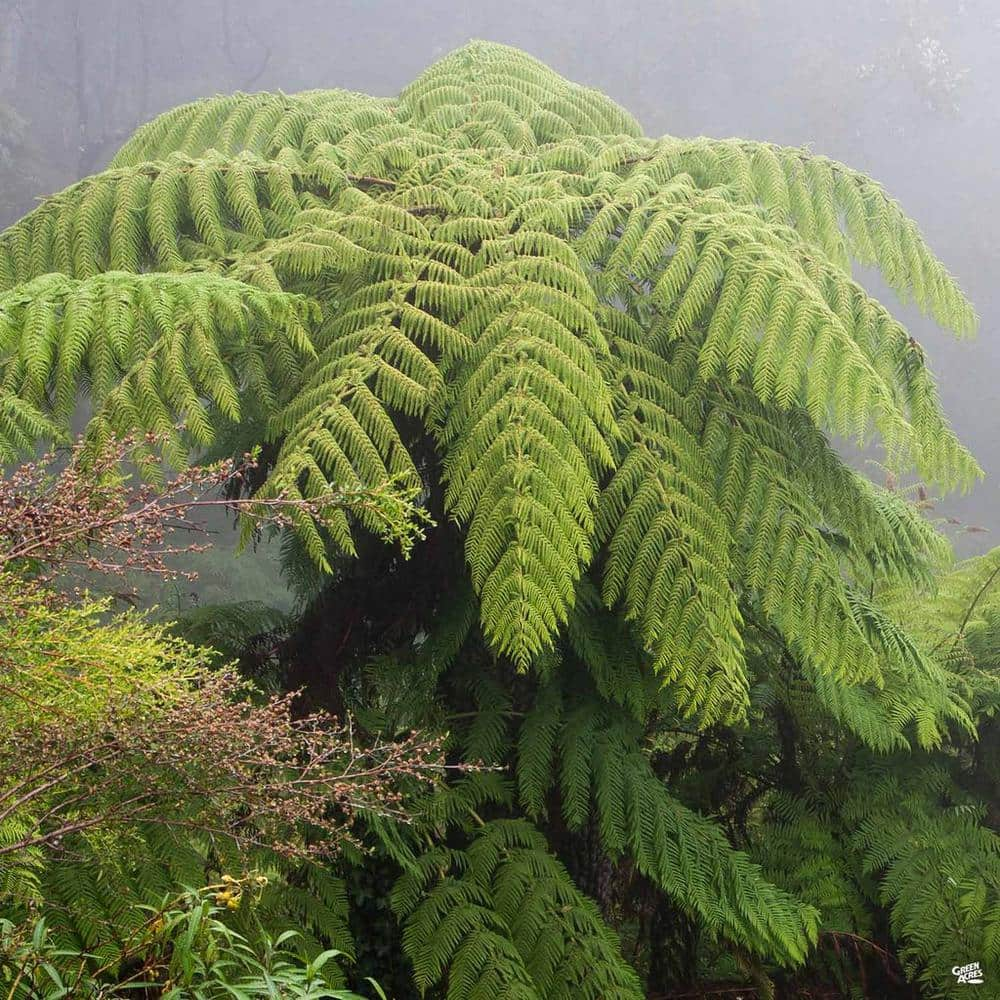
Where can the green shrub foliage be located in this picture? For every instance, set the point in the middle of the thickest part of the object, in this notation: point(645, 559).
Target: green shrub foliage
point(654, 600)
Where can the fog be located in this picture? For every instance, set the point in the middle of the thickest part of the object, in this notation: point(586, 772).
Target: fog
point(902, 89)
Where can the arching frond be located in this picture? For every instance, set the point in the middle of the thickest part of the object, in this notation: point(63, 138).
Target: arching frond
point(152, 350)
point(597, 754)
point(503, 917)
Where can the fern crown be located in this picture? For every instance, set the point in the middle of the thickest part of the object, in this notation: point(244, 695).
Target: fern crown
point(615, 364)
point(617, 355)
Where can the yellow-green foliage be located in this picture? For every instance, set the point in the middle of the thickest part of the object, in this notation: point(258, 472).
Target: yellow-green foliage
point(63, 667)
point(80, 669)
point(959, 620)
point(62, 661)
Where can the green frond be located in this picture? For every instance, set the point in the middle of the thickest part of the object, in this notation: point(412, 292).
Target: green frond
point(495, 95)
point(669, 548)
point(939, 867)
point(151, 350)
point(527, 443)
point(259, 123)
point(839, 210)
point(504, 916)
point(598, 757)
point(101, 893)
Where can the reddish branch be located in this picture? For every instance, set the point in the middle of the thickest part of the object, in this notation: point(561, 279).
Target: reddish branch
point(209, 759)
point(87, 514)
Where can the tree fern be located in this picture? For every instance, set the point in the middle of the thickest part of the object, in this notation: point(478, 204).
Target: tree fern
point(468, 235)
point(610, 365)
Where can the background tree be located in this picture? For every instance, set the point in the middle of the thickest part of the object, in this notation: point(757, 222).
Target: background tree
point(609, 365)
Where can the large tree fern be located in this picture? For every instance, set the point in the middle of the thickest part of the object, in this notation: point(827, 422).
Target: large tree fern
point(611, 364)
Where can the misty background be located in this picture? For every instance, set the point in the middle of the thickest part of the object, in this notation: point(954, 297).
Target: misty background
point(902, 89)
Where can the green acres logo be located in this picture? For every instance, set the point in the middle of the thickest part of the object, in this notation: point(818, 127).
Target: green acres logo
point(971, 973)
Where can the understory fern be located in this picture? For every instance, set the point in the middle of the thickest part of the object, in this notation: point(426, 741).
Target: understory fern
point(97, 897)
point(502, 918)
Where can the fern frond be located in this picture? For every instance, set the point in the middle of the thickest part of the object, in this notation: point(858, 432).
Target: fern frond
point(259, 123)
point(600, 760)
point(939, 867)
point(815, 193)
point(528, 423)
point(152, 350)
point(504, 915)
